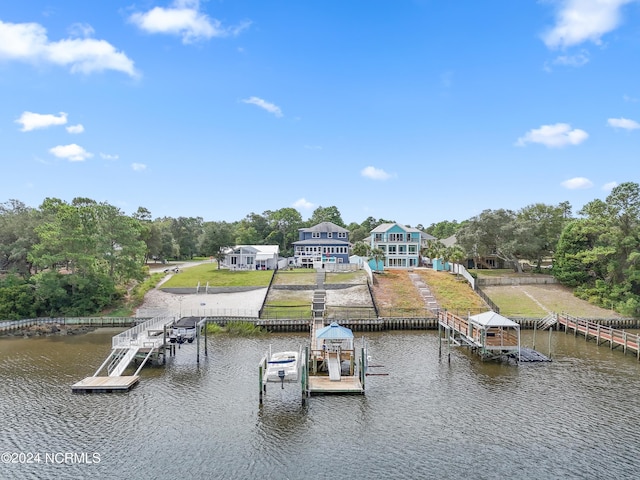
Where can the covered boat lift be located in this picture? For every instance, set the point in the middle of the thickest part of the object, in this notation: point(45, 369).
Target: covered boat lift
point(490, 334)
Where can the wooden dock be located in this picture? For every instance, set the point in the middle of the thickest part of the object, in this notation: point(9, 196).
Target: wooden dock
point(105, 384)
point(601, 334)
point(529, 355)
point(319, 385)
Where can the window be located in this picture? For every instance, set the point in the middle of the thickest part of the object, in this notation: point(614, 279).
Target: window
point(396, 237)
point(330, 235)
point(392, 249)
point(402, 249)
point(234, 260)
point(342, 234)
point(412, 249)
point(315, 234)
point(379, 237)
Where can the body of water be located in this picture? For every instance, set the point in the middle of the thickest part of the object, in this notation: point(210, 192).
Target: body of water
point(576, 417)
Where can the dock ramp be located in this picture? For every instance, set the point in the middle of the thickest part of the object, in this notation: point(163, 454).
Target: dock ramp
point(334, 368)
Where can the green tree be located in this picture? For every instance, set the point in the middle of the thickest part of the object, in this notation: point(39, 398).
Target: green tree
point(217, 237)
point(539, 227)
point(493, 232)
point(186, 231)
point(17, 236)
point(284, 224)
point(326, 214)
point(444, 229)
point(361, 249)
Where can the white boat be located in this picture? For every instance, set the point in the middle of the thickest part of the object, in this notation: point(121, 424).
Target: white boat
point(184, 330)
point(283, 367)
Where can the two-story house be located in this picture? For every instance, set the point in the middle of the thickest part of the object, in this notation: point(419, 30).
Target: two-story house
point(400, 245)
point(321, 244)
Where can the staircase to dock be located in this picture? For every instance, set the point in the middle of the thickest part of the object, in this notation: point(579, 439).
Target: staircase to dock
point(428, 298)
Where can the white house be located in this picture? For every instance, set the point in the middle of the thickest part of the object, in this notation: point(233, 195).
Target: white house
point(252, 257)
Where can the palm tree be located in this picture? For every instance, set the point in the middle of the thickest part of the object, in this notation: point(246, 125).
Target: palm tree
point(456, 254)
point(377, 254)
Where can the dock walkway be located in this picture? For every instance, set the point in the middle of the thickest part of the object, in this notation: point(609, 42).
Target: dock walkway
point(601, 333)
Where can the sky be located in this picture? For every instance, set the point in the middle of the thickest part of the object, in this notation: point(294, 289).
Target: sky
point(415, 111)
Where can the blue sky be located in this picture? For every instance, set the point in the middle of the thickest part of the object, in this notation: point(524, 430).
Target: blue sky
point(416, 111)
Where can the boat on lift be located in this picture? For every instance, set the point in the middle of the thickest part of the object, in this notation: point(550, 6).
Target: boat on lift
point(283, 367)
point(184, 330)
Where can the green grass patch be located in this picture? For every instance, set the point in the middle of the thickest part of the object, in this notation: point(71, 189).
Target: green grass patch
point(208, 273)
point(514, 302)
point(453, 292)
point(286, 309)
point(236, 329)
point(302, 276)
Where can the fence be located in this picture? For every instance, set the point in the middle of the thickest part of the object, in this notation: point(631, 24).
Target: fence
point(12, 325)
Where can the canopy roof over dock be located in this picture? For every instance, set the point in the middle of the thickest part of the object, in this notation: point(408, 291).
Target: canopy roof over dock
point(493, 319)
point(334, 332)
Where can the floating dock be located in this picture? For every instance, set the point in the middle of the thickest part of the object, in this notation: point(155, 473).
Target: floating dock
point(105, 384)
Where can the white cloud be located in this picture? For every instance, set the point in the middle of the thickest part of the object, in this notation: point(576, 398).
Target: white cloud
point(578, 21)
point(554, 136)
point(138, 167)
point(107, 156)
point(630, 99)
point(75, 128)
point(28, 42)
point(81, 30)
point(269, 107)
point(374, 173)
point(623, 123)
point(303, 204)
point(577, 60)
point(607, 187)
point(185, 19)
point(32, 121)
point(72, 152)
point(577, 183)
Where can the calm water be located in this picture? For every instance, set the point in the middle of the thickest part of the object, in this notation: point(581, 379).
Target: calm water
point(576, 417)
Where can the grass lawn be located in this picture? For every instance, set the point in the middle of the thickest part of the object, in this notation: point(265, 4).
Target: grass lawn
point(302, 276)
point(453, 293)
point(514, 302)
point(189, 277)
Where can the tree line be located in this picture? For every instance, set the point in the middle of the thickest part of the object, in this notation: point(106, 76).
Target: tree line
point(80, 257)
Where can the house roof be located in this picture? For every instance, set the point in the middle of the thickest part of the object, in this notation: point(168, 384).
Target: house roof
point(449, 241)
point(324, 227)
point(384, 227)
point(322, 241)
point(334, 332)
point(492, 319)
point(269, 250)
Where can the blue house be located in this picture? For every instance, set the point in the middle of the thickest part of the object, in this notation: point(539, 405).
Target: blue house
point(324, 243)
point(400, 244)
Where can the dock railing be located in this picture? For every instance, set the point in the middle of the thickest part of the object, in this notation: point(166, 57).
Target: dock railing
point(138, 333)
point(601, 333)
